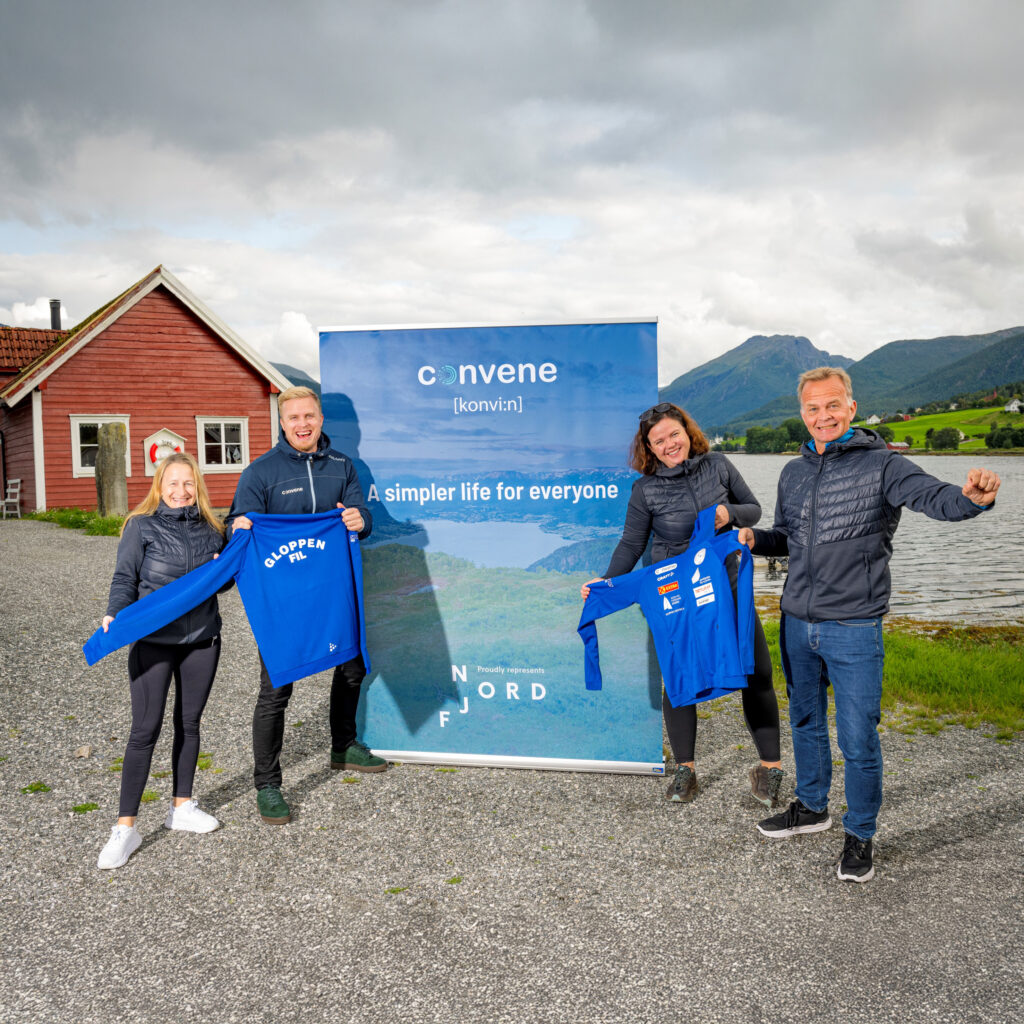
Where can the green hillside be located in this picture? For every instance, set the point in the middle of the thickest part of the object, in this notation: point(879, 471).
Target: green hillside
point(889, 369)
point(968, 421)
point(985, 368)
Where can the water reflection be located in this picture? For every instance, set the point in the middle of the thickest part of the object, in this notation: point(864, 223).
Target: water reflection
point(971, 571)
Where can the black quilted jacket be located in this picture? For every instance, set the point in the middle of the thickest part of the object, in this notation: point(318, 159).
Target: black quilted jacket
point(835, 517)
point(667, 502)
point(156, 549)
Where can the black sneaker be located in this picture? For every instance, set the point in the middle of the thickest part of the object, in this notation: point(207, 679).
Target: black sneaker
point(855, 865)
point(795, 820)
point(683, 787)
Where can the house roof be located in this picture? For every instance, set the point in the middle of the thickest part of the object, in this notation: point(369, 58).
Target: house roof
point(64, 344)
point(19, 346)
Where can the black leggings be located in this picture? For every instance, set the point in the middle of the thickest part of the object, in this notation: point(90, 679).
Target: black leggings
point(268, 718)
point(760, 709)
point(150, 670)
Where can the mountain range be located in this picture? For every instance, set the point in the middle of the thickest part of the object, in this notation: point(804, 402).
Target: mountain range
point(754, 384)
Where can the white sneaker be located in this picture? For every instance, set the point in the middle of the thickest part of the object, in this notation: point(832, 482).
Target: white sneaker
point(189, 818)
point(123, 842)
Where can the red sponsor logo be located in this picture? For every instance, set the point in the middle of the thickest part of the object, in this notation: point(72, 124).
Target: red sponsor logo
point(668, 588)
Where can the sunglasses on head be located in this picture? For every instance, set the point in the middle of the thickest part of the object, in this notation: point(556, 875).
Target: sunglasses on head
point(656, 410)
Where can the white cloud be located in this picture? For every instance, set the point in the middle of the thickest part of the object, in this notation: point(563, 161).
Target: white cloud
point(849, 172)
point(32, 314)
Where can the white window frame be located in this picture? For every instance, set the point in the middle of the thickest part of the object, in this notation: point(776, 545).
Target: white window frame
point(77, 419)
point(201, 423)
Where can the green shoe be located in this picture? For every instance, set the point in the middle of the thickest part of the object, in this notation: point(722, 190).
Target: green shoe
point(357, 758)
point(273, 810)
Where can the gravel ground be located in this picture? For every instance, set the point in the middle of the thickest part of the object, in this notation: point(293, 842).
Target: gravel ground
point(471, 894)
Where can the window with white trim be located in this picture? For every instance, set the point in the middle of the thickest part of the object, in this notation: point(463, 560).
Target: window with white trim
point(85, 443)
point(222, 444)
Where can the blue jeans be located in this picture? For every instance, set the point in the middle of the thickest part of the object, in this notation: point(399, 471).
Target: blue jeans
point(849, 654)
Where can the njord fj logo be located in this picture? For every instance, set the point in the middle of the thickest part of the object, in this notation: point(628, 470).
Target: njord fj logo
point(478, 373)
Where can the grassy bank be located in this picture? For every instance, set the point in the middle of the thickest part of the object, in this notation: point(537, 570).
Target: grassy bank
point(937, 674)
point(969, 421)
point(80, 519)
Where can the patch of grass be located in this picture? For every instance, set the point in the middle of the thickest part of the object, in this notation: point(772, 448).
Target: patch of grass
point(298, 724)
point(116, 766)
point(446, 769)
point(150, 796)
point(36, 787)
point(350, 779)
point(205, 761)
point(957, 674)
point(85, 808)
point(454, 880)
point(397, 889)
point(938, 674)
point(161, 775)
point(81, 519)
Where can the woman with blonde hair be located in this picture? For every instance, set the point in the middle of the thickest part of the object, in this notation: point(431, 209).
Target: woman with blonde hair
point(171, 532)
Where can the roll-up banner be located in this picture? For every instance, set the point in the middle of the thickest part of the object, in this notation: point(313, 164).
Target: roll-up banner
point(495, 463)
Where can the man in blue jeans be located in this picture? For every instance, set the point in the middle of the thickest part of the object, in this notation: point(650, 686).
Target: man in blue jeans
point(837, 509)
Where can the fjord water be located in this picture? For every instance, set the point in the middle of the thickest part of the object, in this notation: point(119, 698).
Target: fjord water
point(971, 571)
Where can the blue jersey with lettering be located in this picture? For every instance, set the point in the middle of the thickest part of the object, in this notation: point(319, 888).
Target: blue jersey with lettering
point(704, 640)
point(301, 582)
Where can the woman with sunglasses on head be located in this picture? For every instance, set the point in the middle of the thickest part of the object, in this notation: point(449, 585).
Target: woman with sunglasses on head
point(171, 532)
point(680, 477)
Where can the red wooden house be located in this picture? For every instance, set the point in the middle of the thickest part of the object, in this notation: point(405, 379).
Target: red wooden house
point(154, 358)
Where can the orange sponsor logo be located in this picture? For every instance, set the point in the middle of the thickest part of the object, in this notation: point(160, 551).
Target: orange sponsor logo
point(668, 588)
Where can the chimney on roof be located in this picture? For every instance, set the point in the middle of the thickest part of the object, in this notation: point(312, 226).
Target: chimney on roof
point(55, 314)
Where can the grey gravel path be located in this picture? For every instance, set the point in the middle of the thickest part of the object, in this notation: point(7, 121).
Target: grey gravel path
point(525, 896)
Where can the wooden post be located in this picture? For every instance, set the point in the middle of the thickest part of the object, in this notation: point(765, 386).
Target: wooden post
point(111, 480)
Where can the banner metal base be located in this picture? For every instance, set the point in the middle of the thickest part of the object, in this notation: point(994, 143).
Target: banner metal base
point(558, 764)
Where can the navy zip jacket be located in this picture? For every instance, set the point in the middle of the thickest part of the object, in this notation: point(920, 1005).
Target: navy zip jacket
point(666, 503)
point(287, 482)
point(835, 516)
point(156, 549)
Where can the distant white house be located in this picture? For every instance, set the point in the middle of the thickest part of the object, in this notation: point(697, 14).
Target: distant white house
point(953, 406)
point(1012, 406)
point(873, 420)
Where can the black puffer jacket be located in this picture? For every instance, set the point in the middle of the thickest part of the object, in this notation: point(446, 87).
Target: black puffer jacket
point(835, 517)
point(156, 549)
point(667, 503)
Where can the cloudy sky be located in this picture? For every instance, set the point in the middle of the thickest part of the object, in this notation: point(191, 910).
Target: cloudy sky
point(850, 171)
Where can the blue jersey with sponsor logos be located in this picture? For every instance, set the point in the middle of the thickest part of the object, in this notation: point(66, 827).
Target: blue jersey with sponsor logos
point(704, 639)
point(300, 579)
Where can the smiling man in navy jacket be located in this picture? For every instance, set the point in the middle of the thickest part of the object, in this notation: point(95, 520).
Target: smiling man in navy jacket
point(837, 509)
point(303, 474)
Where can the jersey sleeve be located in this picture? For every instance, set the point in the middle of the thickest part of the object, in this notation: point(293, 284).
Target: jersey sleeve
point(168, 603)
point(606, 597)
